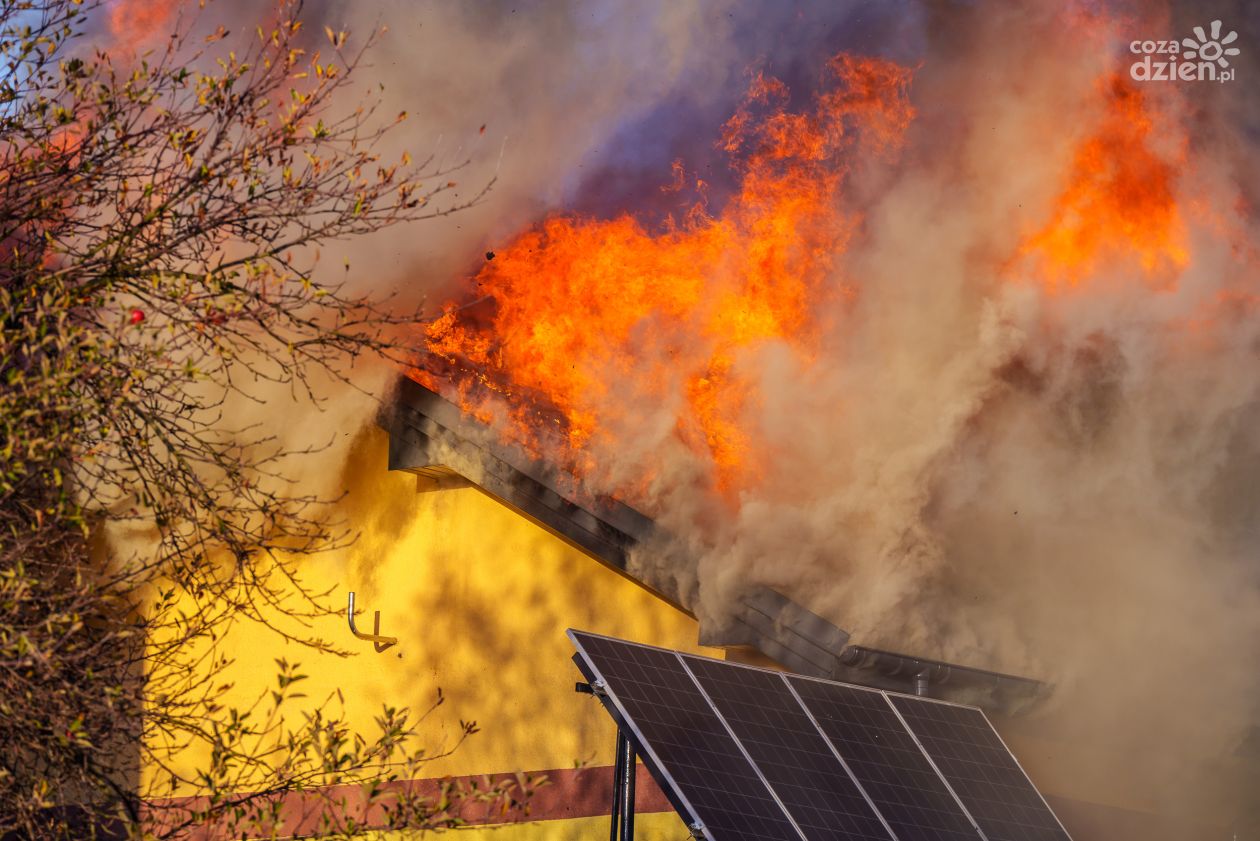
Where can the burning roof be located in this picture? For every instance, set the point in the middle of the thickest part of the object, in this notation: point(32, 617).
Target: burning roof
point(433, 438)
point(591, 318)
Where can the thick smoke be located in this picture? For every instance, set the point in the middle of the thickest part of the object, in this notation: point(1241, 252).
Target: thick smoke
point(1057, 483)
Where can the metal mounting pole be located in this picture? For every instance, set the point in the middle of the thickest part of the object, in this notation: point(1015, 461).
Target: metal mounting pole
point(627, 809)
point(621, 825)
point(619, 770)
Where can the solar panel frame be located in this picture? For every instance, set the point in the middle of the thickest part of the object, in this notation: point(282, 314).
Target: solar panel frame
point(683, 805)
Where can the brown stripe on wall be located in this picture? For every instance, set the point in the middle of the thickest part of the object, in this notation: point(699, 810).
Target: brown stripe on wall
point(567, 793)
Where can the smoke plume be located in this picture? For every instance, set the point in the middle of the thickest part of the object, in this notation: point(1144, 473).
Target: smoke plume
point(1020, 432)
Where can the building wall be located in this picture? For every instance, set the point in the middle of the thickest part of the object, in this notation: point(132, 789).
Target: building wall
point(479, 598)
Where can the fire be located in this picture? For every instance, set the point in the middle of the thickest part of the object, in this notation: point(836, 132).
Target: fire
point(1118, 207)
point(590, 316)
point(132, 22)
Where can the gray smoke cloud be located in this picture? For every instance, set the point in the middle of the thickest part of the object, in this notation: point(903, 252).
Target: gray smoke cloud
point(1060, 485)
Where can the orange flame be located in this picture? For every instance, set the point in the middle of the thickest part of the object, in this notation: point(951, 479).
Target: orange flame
point(1119, 205)
point(592, 316)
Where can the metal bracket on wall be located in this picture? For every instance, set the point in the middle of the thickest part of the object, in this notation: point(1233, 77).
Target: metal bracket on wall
point(379, 642)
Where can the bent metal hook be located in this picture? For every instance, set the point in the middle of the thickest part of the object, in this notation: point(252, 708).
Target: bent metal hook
point(379, 642)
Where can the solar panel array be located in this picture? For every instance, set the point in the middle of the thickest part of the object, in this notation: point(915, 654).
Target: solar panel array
point(748, 753)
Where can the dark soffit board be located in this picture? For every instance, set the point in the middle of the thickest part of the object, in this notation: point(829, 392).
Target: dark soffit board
point(744, 752)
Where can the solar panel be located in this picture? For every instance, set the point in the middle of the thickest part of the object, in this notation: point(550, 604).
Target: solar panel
point(748, 753)
point(887, 761)
point(986, 777)
point(794, 757)
point(690, 746)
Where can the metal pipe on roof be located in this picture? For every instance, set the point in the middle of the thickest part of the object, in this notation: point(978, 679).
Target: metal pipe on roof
point(921, 674)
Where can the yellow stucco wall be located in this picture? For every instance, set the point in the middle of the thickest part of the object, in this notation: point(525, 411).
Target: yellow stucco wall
point(662, 826)
point(479, 597)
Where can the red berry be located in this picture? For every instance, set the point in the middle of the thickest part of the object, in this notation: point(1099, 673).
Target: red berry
point(137, 316)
